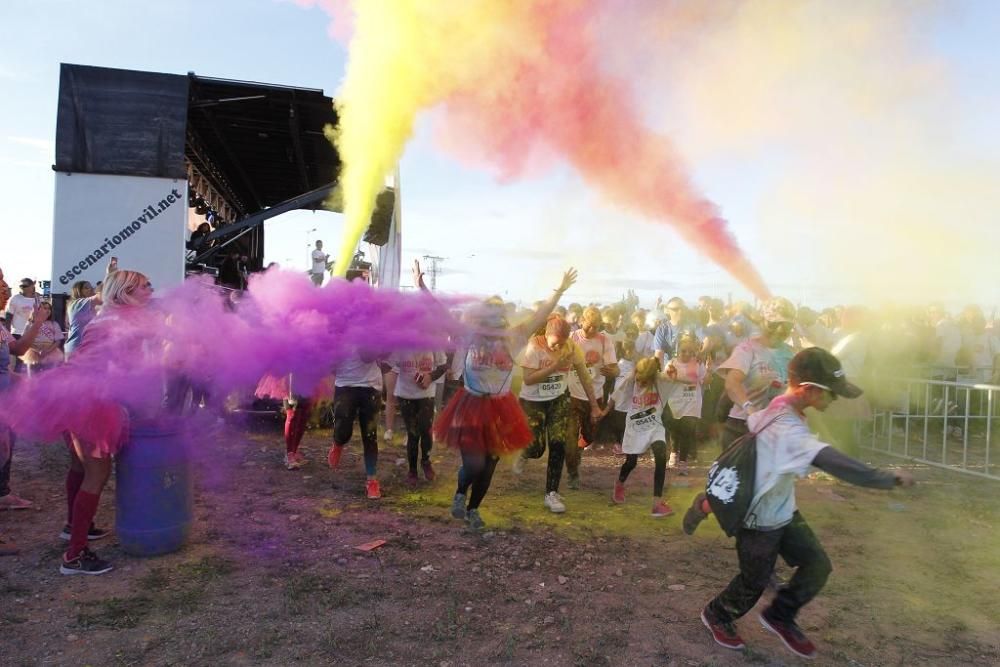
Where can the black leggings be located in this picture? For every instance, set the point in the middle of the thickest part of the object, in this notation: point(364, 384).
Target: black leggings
point(477, 472)
point(361, 403)
point(659, 470)
point(418, 415)
point(684, 436)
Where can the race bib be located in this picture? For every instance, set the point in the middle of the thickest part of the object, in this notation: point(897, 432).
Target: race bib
point(552, 386)
point(644, 421)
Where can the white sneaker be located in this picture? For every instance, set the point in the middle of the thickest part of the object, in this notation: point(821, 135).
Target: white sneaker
point(554, 502)
point(672, 462)
point(517, 467)
point(387, 436)
point(292, 463)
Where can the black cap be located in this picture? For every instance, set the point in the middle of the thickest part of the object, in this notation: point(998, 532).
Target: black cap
point(815, 366)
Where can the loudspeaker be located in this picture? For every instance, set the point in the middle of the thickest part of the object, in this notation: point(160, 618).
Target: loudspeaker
point(378, 230)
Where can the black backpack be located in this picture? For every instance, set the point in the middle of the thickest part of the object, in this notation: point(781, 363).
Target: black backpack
point(730, 486)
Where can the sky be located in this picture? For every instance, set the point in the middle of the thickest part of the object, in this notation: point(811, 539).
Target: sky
point(854, 152)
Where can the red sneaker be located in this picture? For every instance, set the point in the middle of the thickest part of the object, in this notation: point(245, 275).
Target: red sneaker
point(661, 509)
point(429, 473)
point(791, 636)
point(619, 493)
point(333, 458)
point(372, 489)
point(724, 634)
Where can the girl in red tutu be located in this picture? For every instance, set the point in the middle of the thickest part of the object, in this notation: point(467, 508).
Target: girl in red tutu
point(484, 420)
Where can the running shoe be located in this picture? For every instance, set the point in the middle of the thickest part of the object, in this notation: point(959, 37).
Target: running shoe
point(618, 495)
point(474, 520)
point(372, 489)
point(672, 461)
point(661, 509)
point(724, 634)
point(387, 436)
point(333, 457)
point(411, 479)
point(291, 462)
point(458, 506)
point(93, 534)
point(12, 502)
point(86, 562)
point(554, 502)
point(428, 469)
point(581, 443)
point(695, 515)
point(791, 636)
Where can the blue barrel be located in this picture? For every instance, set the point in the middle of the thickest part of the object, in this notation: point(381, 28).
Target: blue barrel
point(154, 489)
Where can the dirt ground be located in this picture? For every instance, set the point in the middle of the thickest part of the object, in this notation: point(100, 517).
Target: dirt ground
point(272, 576)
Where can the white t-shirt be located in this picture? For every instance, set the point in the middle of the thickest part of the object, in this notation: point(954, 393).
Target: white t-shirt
point(684, 394)
point(319, 261)
point(644, 346)
point(487, 366)
point(766, 371)
point(353, 372)
point(21, 307)
point(407, 365)
point(537, 355)
point(627, 367)
point(597, 352)
point(643, 414)
point(785, 450)
point(983, 349)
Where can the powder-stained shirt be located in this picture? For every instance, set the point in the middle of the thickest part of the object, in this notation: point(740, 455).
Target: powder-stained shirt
point(537, 355)
point(684, 394)
point(785, 450)
point(20, 308)
point(488, 366)
point(407, 365)
point(643, 413)
point(354, 372)
point(766, 371)
point(597, 352)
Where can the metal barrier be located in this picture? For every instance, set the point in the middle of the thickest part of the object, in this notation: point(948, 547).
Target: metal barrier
point(951, 425)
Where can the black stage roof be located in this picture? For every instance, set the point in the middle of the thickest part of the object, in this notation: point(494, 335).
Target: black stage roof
point(258, 144)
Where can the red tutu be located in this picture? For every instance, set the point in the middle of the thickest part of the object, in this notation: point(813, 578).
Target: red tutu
point(492, 424)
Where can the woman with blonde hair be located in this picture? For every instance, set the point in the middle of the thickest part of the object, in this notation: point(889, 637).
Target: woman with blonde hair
point(643, 394)
point(82, 308)
point(125, 296)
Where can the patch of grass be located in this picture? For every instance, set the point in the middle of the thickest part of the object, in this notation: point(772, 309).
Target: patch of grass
point(115, 613)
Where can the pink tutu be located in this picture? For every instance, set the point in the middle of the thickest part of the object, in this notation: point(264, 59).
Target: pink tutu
point(278, 388)
point(495, 425)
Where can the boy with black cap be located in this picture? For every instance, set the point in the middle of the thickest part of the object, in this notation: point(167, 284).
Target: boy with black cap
point(773, 526)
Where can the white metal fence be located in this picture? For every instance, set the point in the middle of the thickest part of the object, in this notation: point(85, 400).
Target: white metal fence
point(949, 424)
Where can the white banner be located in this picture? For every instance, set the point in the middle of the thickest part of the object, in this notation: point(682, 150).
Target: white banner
point(141, 221)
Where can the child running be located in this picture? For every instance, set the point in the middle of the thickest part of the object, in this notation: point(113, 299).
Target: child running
point(686, 375)
point(483, 419)
point(626, 364)
point(773, 526)
point(413, 388)
point(643, 394)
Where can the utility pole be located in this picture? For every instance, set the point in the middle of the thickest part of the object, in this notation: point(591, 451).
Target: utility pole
point(433, 261)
